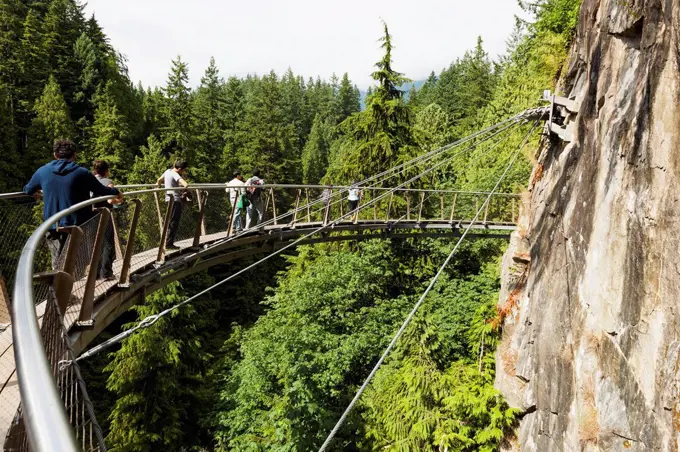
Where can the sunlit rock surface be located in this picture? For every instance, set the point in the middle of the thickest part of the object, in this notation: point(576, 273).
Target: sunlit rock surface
point(591, 284)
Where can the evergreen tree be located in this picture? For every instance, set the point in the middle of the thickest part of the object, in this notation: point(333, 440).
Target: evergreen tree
point(347, 99)
point(427, 93)
point(150, 163)
point(208, 106)
point(380, 136)
point(412, 96)
point(177, 135)
point(315, 153)
point(34, 61)
point(9, 164)
point(233, 120)
point(63, 25)
point(12, 14)
point(431, 128)
point(110, 135)
point(267, 140)
point(292, 109)
point(52, 121)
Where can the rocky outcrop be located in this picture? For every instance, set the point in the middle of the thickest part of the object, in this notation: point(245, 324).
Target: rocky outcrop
point(591, 341)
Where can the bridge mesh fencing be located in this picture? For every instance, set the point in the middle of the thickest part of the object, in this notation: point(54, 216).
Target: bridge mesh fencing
point(69, 382)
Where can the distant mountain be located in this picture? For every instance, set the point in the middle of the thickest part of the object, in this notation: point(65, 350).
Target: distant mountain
point(406, 87)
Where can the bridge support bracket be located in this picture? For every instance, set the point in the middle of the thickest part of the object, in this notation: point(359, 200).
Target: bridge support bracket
point(563, 113)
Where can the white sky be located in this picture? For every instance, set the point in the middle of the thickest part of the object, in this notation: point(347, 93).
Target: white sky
point(313, 37)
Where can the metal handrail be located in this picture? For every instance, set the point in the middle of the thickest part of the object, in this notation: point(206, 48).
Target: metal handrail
point(45, 418)
point(290, 186)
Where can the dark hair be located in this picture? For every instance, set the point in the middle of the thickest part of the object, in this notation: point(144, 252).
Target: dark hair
point(236, 173)
point(100, 167)
point(256, 172)
point(181, 164)
point(64, 149)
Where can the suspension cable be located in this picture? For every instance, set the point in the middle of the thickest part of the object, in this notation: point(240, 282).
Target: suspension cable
point(152, 319)
point(400, 169)
point(413, 312)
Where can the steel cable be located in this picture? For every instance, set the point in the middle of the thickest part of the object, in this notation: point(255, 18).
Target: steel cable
point(413, 312)
point(151, 320)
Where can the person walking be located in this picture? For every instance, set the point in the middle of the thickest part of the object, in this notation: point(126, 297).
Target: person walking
point(101, 171)
point(255, 210)
point(236, 197)
point(326, 196)
point(65, 184)
point(173, 179)
point(354, 194)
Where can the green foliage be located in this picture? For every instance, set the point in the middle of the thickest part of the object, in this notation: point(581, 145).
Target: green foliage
point(315, 153)
point(379, 137)
point(177, 136)
point(110, 134)
point(431, 128)
point(208, 104)
point(52, 120)
point(150, 164)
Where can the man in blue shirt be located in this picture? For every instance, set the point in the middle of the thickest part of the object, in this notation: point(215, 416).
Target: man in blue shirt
point(65, 184)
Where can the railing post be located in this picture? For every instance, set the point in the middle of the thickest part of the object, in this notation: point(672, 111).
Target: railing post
point(453, 207)
point(309, 212)
point(124, 280)
point(232, 216)
point(513, 209)
point(87, 306)
point(274, 205)
point(441, 206)
point(116, 237)
point(62, 283)
point(486, 210)
point(389, 208)
point(355, 218)
point(375, 208)
point(158, 211)
point(297, 206)
point(327, 209)
point(342, 209)
point(160, 258)
point(200, 227)
point(75, 238)
point(408, 207)
point(199, 198)
point(420, 209)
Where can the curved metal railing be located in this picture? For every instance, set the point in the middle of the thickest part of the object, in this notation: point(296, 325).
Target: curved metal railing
point(142, 228)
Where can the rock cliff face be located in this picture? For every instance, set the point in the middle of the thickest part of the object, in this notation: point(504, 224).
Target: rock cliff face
point(591, 341)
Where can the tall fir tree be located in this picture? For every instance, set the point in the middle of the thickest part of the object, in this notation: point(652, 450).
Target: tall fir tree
point(150, 163)
point(347, 99)
point(208, 106)
point(315, 153)
point(52, 121)
point(34, 62)
point(110, 135)
point(380, 136)
point(177, 135)
point(232, 119)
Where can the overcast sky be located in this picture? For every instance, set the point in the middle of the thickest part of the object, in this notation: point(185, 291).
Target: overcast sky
point(313, 37)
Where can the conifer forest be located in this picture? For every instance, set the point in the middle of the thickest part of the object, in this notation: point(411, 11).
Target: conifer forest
point(269, 361)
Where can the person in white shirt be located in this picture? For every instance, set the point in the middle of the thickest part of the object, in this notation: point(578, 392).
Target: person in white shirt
point(236, 196)
point(354, 196)
point(255, 210)
point(174, 178)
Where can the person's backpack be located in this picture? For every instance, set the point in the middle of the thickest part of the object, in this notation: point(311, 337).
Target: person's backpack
point(252, 190)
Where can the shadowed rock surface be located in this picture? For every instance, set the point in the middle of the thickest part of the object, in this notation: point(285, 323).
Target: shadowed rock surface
point(591, 282)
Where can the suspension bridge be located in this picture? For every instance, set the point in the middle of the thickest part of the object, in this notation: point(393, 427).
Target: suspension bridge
point(58, 312)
